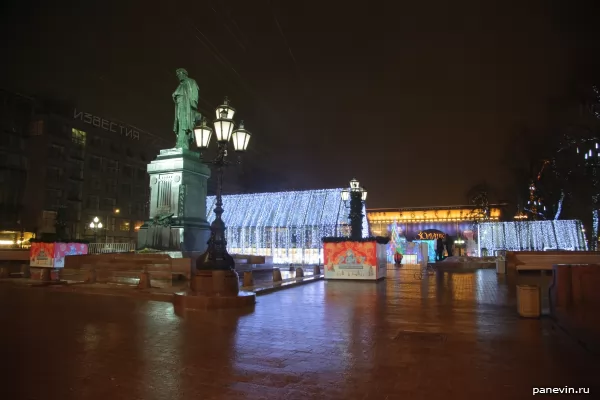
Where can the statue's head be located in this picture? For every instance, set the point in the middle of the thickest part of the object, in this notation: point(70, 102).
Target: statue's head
point(181, 73)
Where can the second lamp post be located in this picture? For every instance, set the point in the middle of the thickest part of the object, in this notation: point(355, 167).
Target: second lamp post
point(353, 198)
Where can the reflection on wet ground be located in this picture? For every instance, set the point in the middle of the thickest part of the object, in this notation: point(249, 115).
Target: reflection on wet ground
point(449, 336)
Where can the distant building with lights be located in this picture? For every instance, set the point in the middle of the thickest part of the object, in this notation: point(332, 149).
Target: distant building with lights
point(16, 111)
point(407, 226)
point(285, 225)
point(412, 225)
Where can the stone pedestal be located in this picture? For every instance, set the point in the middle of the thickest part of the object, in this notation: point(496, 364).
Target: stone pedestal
point(215, 283)
point(211, 290)
point(177, 222)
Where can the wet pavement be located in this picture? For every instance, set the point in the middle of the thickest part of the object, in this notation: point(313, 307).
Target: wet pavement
point(451, 336)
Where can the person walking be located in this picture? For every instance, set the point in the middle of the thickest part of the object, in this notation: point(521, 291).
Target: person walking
point(439, 249)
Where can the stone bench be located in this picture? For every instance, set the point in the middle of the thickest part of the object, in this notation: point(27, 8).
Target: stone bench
point(14, 255)
point(160, 265)
point(112, 272)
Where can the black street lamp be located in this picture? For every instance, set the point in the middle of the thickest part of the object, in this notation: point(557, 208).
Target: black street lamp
point(95, 225)
point(353, 199)
point(216, 257)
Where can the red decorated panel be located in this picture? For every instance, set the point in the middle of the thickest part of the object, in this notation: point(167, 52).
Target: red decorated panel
point(41, 255)
point(351, 260)
point(67, 249)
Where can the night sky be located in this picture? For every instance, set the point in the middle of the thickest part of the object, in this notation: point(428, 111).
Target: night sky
point(417, 100)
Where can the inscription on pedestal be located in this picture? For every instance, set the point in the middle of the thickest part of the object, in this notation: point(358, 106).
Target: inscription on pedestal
point(181, 208)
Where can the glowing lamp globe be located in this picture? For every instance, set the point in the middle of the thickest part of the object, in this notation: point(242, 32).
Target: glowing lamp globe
point(100, 225)
point(92, 225)
point(202, 135)
point(225, 111)
point(223, 129)
point(354, 185)
point(363, 195)
point(96, 220)
point(240, 138)
point(345, 195)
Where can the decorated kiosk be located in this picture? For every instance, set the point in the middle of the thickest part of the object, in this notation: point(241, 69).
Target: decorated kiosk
point(355, 257)
point(47, 254)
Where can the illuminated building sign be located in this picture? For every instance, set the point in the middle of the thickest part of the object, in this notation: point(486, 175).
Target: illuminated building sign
point(107, 125)
point(430, 234)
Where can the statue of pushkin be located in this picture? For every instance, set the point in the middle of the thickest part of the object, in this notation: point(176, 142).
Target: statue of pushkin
point(186, 109)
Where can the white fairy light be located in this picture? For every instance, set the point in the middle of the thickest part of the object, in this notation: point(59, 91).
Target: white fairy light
point(532, 235)
point(265, 223)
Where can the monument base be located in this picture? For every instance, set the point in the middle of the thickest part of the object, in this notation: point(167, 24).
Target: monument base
point(211, 290)
point(216, 283)
point(192, 301)
point(178, 181)
point(182, 239)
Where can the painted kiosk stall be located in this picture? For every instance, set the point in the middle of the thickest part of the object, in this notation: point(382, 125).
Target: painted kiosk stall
point(46, 258)
point(364, 259)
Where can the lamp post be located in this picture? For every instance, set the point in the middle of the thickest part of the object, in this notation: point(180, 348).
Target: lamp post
point(353, 199)
point(95, 225)
point(216, 257)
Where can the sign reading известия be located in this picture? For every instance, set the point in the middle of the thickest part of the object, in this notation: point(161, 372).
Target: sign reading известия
point(107, 125)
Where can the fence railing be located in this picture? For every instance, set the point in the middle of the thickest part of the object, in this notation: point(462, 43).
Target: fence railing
point(98, 248)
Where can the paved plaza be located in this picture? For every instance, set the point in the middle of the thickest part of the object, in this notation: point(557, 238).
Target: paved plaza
point(452, 336)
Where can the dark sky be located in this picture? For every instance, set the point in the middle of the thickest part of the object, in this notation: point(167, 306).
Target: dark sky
point(414, 99)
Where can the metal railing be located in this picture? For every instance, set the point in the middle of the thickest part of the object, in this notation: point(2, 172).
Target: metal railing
point(102, 248)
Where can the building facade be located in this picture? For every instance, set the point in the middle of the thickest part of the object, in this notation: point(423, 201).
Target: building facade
point(16, 111)
point(91, 166)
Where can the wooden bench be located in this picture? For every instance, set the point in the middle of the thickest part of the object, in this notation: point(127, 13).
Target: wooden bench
point(574, 301)
point(544, 260)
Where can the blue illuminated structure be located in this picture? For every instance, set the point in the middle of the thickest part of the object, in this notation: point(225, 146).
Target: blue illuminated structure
point(285, 225)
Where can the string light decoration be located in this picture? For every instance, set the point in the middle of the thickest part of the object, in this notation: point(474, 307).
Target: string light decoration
point(581, 154)
point(285, 225)
point(533, 235)
point(397, 242)
point(586, 153)
point(535, 205)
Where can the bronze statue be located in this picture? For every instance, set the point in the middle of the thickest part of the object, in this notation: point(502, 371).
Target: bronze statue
point(186, 108)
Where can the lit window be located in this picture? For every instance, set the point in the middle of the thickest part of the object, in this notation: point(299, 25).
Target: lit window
point(78, 137)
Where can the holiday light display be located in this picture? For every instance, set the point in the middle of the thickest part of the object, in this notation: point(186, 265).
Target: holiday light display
point(535, 205)
point(532, 235)
point(397, 243)
point(285, 225)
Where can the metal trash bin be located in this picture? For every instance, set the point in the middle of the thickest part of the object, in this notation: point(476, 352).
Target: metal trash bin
point(500, 266)
point(529, 301)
